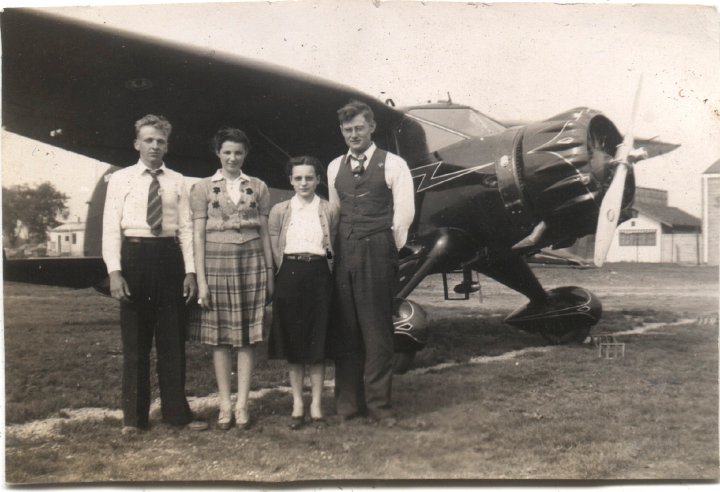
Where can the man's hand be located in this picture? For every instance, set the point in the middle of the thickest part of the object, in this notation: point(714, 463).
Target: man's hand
point(190, 288)
point(118, 287)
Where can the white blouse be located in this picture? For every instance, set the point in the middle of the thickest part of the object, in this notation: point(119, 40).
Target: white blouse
point(304, 233)
point(233, 188)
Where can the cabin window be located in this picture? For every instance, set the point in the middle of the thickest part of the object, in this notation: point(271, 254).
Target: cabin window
point(466, 121)
point(427, 130)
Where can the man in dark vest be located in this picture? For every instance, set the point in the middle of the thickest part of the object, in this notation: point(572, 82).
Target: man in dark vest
point(374, 190)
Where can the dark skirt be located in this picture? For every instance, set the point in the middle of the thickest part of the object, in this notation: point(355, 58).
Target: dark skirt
point(301, 312)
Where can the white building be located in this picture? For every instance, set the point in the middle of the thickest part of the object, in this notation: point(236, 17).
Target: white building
point(711, 213)
point(67, 239)
point(656, 233)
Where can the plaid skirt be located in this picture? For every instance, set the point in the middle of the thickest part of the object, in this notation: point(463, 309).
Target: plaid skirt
point(237, 280)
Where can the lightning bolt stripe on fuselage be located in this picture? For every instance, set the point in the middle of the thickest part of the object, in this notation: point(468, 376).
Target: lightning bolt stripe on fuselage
point(427, 173)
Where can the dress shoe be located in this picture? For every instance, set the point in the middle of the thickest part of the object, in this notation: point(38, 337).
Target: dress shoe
point(382, 419)
point(318, 422)
point(297, 422)
point(225, 420)
point(197, 425)
point(343, 419)
point(130, 430)
point(242, 419)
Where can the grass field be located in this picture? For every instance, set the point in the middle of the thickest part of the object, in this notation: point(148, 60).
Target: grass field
point(545, 413)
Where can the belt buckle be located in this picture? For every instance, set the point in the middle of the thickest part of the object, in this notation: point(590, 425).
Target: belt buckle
point(306, 258)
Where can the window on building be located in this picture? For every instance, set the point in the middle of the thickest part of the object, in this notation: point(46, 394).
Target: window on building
point(638, 238)
point(74, 236)
point(67, 238)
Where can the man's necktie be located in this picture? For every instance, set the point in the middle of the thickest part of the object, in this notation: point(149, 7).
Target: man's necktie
point(154, 203)
point(359, 168)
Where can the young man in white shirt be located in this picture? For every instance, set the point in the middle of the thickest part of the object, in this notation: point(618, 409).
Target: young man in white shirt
point(147, 248)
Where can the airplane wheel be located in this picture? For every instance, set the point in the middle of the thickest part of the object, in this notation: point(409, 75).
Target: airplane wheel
point(560, 334)
point(403, 361)
point(566, 316)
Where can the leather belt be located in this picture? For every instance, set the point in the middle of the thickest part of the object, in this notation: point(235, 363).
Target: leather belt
point(151, 240)
point(306, 258)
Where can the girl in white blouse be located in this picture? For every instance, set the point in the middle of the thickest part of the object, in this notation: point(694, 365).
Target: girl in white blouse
point(302, 231)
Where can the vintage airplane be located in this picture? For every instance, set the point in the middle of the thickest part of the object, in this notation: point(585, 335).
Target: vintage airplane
point(487, 196)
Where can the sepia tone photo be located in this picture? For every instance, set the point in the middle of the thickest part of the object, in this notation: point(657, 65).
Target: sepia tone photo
point(360, 242)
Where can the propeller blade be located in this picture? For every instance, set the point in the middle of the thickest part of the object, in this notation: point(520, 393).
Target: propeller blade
point(612, 202)
point(609, 214)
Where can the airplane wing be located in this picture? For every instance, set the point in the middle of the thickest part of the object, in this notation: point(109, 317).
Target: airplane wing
point(62, 272)
point(81, 87)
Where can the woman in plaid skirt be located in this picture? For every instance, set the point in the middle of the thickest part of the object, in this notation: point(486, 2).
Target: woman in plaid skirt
point(233, 261)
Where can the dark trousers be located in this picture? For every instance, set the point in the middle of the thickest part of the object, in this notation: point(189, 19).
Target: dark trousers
point(365, 277)
point(154, 272)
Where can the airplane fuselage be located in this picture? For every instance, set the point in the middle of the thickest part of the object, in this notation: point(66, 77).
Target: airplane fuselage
point(472, 174)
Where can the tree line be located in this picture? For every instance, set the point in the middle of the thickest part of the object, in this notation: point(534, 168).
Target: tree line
point(38, 209)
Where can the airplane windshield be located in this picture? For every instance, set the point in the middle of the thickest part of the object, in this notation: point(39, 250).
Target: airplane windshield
point(428, 130)
point(464, 120)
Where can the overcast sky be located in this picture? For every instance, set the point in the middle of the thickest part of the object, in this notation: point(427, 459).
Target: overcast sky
point(513, 62)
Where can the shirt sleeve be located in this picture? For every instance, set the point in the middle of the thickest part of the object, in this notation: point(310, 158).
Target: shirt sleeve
point(403, 191)
point(274, 221)
point(274, 226)
point(198, 201)
point(112, 215)
point(334, 213)
point(332, 172)
point(263, 199)
point(185, 227)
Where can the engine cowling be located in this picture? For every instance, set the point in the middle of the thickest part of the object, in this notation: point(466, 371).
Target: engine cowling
point(553, 182)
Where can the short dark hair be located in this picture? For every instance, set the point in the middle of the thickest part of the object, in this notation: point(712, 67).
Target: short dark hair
point(304, 160)
point(159, 122)
point(229, 135)
point(354, 108)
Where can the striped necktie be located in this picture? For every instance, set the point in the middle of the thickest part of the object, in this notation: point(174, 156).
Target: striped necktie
point(359, 168)
point(154, 203)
